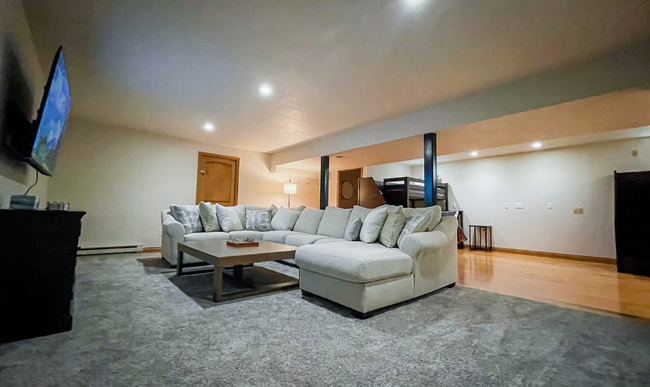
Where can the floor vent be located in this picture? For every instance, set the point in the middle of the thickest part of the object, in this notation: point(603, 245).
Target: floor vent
point(109, 250)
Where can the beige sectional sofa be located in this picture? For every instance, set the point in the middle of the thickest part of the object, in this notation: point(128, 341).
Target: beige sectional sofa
point(361, 276)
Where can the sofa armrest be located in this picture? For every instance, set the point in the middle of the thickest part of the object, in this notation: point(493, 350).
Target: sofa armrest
point(172, 233)
point(431, 242)
point(174, 229)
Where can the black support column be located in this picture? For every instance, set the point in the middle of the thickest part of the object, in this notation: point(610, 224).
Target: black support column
point(430, 170)
point(324, 181)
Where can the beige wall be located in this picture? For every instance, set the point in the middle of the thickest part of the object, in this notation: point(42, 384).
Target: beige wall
point(16, 40)
point(569, 178)
point(124, 178)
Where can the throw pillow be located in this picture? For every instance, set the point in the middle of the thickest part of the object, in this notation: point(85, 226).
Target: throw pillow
point(188, 216)
point(392, 227)
point(259, 220)
point(273, 209)
point(284, 219)
point(308, 221)
point(353, 230)
point(334, 222)
point(228, 218)
point(301, 208)
point(373, 224)
point(418, 223)
point(209, 218)
point(436, 215)
point(359, 212)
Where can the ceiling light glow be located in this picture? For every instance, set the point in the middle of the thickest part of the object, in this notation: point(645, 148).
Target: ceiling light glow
point(414, 3)
point(266, 90)
point(474, 154)
point(537, 145)
point(209, 127)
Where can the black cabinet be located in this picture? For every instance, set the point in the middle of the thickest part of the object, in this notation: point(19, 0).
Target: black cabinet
point(38, 256)
point(633, 222)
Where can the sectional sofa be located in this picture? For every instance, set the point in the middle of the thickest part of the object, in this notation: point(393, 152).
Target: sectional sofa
point(361, 276)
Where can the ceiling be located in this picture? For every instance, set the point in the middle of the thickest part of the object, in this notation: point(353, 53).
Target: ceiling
point(166, 67)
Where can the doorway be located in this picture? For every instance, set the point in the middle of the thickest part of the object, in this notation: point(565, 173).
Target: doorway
point(217, 179)
point(348, 187)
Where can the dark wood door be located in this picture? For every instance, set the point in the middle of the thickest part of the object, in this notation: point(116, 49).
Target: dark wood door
point(348, 187)
point(632, 225)
point(217, 179)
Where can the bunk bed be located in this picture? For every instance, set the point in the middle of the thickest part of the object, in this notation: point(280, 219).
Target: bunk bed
point(409, 192)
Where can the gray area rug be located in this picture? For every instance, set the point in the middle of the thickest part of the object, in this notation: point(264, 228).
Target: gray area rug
point(134, 327)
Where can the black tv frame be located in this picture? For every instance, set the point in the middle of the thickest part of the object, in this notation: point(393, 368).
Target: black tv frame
point(37, 122)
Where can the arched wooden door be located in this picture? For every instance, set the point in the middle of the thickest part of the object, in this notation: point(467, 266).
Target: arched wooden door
point(217, 179)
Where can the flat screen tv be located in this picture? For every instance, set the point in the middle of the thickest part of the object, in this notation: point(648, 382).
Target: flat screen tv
point(52, 118)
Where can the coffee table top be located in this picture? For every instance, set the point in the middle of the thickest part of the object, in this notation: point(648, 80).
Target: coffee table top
point(218, 253)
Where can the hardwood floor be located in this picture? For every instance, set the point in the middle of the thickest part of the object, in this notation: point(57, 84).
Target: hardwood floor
point(582, 285)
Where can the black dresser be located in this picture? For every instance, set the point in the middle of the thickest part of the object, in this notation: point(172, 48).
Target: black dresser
point(633, 222)
point(38, 256)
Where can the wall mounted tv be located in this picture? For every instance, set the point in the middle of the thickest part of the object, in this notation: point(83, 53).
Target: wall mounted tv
point(38, 142)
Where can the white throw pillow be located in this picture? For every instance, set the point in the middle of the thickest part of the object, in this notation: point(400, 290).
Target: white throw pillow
point(373, 224)
point(309, 221)
point(353, 230)
point(334, 222)
point(228, 218)
point(418, 223)
point(393, 226)
point(359, 212)
point(436, 215)
point(284, 219)
point(209, 218)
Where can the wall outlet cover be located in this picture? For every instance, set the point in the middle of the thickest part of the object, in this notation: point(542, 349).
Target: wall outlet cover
point(507, 206)
point(550, 206)
point(520, 206)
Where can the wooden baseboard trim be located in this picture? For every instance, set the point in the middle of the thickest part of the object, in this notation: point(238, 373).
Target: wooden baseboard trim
point(544, 254)
point(151, 250)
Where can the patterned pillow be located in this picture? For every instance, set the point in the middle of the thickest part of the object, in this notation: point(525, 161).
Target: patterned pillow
point(258, 220)
point(353, 230)
point(209, 218)
point(188, 216)
point(418, 223)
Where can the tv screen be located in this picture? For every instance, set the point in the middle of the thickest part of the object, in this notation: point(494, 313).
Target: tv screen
point(52, 118)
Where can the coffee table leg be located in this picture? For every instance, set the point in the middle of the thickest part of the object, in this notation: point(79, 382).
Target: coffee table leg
point(218, 283)
point(238, 271)
point(179, 264)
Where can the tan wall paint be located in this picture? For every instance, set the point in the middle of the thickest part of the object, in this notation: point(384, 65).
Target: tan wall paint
point(569, 178)
point(15, 35)
point(124, 178)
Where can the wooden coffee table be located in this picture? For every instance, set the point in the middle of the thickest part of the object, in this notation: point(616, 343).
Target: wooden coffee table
point(220, 255)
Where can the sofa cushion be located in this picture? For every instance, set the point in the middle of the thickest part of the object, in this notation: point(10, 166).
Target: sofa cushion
point(353, 230)
point(334, 222)
point(373, 224)
point(284, 219)
point(309, 221)
point(301, 240)
point(188, 216)
point(229, 218)
point(354, 261)
point(259, 235)
point(418, 223)
point(436, 215)
point(207, 236)
point(329, 240)
point(278, 236)
point(359, 212)
point(392, 227)
point(209, 219)
point(258, 220)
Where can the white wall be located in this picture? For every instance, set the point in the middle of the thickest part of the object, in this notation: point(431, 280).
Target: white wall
point(385, 171)
point(124, 178)
point(16, 41)
point(569, 178)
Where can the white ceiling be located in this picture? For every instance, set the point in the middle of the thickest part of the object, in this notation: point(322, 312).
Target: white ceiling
point(168, 67)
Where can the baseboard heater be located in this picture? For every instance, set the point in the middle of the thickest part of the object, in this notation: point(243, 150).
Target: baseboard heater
point(109, 250)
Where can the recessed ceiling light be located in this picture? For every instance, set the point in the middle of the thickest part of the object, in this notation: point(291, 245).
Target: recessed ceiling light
point(209, 127)
point(474, 154)
point(414, 3)
point(266, 90)
point(537, 145)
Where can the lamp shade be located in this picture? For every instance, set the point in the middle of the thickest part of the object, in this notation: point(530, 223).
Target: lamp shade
point(290, 188)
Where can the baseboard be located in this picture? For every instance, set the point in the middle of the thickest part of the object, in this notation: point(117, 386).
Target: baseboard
point(151, 249)
point(544, 254)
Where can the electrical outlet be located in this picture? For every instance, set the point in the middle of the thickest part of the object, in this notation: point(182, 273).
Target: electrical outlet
point(507, 206)
point(635, 153)
point(578, 211)
point(519, 206)
point(550, 206)
point(160, 233)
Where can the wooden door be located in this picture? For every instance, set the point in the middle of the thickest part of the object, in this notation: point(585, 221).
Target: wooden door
point(217, 179)
point(632, 227)
point(348, 187)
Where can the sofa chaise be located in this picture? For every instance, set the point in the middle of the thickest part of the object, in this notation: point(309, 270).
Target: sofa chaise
point(362, 276)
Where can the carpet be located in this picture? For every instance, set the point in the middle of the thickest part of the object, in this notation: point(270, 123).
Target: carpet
point(134, 327)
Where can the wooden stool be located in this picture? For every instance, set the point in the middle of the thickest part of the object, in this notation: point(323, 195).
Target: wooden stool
point(480, 237)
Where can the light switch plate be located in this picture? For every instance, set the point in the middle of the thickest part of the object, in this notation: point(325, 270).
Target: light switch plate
point(550, 206)
point(520, 206)
point(507, 206)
